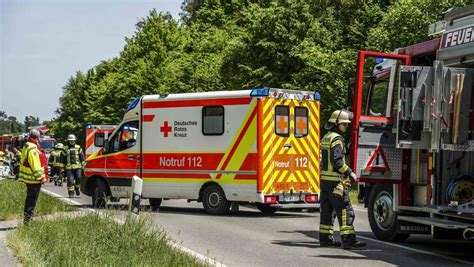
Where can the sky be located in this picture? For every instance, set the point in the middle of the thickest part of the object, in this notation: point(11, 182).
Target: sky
point(45, 42)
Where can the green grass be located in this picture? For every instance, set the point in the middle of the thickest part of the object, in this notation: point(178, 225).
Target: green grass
point(93, 241)
point(12, 201)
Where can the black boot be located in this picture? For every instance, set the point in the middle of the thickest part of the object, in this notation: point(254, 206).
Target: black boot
point(71, 194)
point(355, 245)
point(332, 243)
point(78, 193)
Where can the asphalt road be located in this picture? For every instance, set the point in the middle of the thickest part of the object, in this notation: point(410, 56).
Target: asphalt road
point(248, 238)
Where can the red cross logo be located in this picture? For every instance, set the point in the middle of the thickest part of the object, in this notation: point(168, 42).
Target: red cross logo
point(165, 129)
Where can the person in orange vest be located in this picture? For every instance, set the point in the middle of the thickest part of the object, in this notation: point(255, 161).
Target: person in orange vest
point(32, 173)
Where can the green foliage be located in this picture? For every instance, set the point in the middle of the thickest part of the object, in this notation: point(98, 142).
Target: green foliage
point(231, 45)
point(9, 124)
point(94, 241)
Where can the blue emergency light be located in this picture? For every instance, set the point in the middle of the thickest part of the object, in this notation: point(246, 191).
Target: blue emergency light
point(133, 104)
point(379, 60)
point(265, 91)
point(317, 96)
point(88, 126)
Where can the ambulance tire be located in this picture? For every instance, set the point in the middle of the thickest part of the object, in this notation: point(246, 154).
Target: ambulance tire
point(100, 194)
point(266, 208)
point(155, 203)
point(214, 200)
point(382, 219)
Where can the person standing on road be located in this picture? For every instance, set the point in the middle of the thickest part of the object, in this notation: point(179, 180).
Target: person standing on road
point(335, 184)
point(31, 173)
point(16, 162)
point(73, 158)
point(57, 166)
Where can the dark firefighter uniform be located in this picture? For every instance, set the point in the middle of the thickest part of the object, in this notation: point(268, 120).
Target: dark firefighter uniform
point(334, 193)
point(73, 159)
point(56, 163)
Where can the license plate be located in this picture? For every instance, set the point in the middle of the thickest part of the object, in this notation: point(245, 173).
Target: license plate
point(291, 198)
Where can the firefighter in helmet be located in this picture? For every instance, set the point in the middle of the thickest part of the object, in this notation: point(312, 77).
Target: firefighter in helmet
point(16, 162)
point(336, 178)
point(57, 166)
point(73, 158)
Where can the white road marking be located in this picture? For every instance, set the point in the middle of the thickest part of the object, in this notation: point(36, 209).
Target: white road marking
point(415, 250)
point(186, 250)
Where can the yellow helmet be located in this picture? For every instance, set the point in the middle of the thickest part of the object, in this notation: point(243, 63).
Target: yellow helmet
point(340, 116)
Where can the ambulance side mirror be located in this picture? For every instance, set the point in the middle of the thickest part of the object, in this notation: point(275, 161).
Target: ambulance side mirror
point(99, 139)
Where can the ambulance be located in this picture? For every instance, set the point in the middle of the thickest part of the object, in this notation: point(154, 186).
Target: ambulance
point(219, 148)
point(96, 136)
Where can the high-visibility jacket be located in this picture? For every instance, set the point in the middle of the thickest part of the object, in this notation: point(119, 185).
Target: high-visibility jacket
point(55, 158)
point(73, 157)
point(17, 159)
point(31, 169)
point(333, 157)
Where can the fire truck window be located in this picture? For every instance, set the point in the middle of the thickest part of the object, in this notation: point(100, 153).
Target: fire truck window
point(99, 139)
point(378, 99)
point(213, 120)
point(282, 121)
point(301, 121)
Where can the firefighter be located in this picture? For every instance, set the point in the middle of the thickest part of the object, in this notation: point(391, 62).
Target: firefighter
point(57, 166)
point(73, 158)
point(335, 185)
point(16, 162)
point(31, 173)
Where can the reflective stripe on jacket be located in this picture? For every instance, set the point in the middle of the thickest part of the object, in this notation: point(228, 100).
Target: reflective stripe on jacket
point(31, 170)
point(331, 143)
point(74, 157)
point(55, 158)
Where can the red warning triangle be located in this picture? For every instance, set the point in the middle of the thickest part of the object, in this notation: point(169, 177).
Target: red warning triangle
point(378, 161)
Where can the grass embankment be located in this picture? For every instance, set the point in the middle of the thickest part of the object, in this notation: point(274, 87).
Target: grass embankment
point(12, 202)
point(93, 241)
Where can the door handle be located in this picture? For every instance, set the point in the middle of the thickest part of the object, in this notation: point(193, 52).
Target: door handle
point(131, 157)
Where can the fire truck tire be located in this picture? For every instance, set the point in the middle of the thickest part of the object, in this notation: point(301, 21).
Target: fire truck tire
point(155, 203)
point(214, 200)
point(382, 219)
point(100, 195)
point(266, 208)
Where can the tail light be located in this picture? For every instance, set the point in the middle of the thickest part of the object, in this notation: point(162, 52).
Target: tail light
point(270, 199)
point(311, 198)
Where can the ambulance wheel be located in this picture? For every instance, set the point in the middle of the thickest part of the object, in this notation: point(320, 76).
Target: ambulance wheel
point(382, 218)
point(266, 208)
point(155, 203)
point(100, 195)
point(214, 200)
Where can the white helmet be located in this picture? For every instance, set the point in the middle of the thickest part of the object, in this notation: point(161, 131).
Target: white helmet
point(71, 137)
point(60, 146)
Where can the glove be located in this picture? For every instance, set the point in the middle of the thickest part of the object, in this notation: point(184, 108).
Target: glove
point(347, 183)
point(338, 190)
point(353, 176)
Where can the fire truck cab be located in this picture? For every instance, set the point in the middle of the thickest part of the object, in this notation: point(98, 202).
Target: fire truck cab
point(413, 134)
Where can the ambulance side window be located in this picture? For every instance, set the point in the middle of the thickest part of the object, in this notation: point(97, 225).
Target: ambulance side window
point(301, 121)
point(282, 121)
point(124, 138)
point(213, 120)
point(99, 139)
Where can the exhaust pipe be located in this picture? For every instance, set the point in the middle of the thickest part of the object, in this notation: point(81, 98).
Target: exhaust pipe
point(468, 234)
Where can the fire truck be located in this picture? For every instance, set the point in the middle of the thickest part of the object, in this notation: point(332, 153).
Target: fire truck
point(413, 134)
point(219, 148)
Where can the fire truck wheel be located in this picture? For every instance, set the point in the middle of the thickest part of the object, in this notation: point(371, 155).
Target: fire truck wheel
point(214, 200)
point(266, 208)
point(100, 194)
point(382, 219)
point(155, 203)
